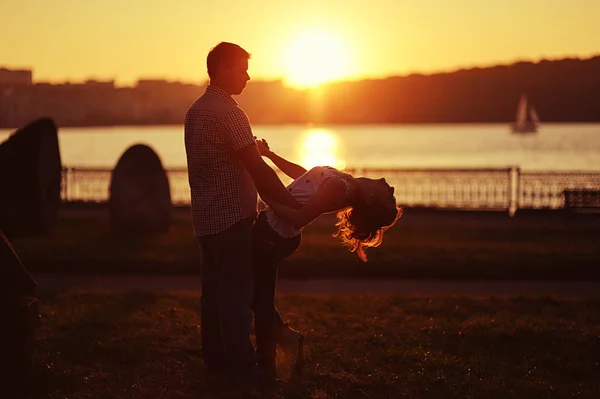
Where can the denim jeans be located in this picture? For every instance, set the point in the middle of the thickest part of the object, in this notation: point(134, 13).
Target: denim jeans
point(226, 303)
point(268, 250)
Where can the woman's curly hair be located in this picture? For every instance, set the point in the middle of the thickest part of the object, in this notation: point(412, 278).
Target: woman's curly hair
point(362, 226)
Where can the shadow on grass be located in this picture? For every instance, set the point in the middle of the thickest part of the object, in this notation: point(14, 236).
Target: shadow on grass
point(471, 245)
point(138, 345)
point(87, 331)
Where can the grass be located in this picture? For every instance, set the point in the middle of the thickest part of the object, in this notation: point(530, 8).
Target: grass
point(103, 344)
point(409, 250)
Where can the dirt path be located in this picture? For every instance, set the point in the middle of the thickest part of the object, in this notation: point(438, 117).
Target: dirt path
point(328, 286)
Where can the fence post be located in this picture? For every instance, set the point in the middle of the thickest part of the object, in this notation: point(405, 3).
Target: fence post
point(75, 185)
point(514, 182)
point(63, 184)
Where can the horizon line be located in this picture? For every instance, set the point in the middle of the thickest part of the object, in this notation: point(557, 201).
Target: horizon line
point(92, 78)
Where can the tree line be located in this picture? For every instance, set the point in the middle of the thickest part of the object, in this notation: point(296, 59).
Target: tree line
point(565, 90)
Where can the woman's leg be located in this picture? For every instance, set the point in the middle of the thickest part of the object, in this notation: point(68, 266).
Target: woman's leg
point(284, 248)
point(269, 249)
point(290, 340)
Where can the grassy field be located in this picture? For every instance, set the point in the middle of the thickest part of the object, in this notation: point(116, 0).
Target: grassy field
point(480, 246)
point(131, 345)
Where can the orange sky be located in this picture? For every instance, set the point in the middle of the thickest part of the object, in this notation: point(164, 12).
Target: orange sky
point(74, 40)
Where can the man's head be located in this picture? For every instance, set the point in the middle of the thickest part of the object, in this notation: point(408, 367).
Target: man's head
point(227, 65)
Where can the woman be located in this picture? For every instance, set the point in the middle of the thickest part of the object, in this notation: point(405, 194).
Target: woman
point(366, 209)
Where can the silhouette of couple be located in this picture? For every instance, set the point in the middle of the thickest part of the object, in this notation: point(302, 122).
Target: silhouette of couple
point(241, 249)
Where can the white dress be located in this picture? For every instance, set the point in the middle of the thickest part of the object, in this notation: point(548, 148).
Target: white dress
point(302, 189)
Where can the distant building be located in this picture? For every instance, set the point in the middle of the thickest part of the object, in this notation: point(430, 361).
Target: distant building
point(15, 77)
point(97, 84)
point(152, 84)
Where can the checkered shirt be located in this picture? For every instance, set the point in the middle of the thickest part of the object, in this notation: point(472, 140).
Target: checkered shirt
point(222, 190)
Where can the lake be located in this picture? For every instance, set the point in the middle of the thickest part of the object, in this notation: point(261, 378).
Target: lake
point(556, 147)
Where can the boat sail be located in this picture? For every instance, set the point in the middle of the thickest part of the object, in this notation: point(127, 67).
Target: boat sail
point(522, 124)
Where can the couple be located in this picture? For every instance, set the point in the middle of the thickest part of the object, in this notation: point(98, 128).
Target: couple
point(240, 251)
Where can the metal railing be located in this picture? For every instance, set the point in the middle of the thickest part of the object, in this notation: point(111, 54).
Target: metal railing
point(485, 188)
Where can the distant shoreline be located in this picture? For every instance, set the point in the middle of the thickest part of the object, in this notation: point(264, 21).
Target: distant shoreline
point(13, 128)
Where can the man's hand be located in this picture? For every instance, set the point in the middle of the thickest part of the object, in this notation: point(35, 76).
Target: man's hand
point(263, 147)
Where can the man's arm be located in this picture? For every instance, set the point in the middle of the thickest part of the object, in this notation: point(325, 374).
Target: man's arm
point(289, 168)
point(266, 180)
point(243, 143)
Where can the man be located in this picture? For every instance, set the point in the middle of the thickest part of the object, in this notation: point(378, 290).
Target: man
point(225, 170)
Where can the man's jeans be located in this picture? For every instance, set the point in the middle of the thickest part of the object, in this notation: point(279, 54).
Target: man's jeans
point(227, 294)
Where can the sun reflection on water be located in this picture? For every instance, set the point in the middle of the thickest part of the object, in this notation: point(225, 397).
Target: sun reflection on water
point(321, 147)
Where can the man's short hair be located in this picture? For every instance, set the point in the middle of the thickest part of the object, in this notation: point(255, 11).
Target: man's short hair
point(224, 54)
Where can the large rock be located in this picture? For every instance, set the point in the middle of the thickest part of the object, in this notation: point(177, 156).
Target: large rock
point(140, 195)
point(14, 279)
point(30, 180)
point(19, 315)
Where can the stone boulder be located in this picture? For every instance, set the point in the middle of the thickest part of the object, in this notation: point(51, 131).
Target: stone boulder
point(139, 193)
point(14, 279)
point(19, 313)
point(30, 180)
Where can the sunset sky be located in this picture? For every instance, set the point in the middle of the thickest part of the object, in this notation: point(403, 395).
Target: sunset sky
point(73, 40)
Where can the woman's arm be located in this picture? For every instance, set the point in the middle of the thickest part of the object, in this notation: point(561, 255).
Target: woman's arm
point(289, 168)
point(325, 200)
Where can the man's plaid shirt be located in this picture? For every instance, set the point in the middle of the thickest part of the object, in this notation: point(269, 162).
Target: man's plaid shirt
point(222, 190)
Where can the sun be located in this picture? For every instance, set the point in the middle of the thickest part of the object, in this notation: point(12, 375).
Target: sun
point(316, 56)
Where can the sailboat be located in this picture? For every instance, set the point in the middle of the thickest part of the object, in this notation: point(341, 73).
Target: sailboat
point(522, 124)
